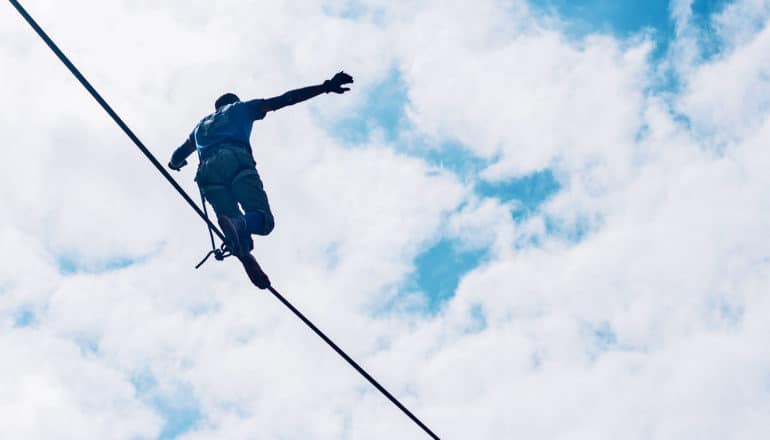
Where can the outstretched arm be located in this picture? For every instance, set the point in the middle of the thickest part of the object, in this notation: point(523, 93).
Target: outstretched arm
point(179, 157)
point(292, 97)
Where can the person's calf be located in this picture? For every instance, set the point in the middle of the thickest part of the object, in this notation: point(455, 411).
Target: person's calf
point(237, 239)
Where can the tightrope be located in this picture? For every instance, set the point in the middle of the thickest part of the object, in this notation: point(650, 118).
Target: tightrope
point(87, 85)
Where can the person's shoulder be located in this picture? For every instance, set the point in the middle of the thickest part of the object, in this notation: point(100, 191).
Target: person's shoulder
point(255, 107)
point(236, 107)
point(207, 117)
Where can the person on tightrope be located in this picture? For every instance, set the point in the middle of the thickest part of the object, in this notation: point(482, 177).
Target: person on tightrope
point(227, 174)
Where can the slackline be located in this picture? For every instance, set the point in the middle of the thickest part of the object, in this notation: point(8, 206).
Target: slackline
point(84, 82)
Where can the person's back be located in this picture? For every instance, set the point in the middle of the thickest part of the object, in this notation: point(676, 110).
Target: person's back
point(230, 123)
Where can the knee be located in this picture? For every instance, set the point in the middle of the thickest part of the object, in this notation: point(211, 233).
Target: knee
point(268, 226)
point(260, 222)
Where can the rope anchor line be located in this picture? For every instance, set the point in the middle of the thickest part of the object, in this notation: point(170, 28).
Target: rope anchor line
point(212, 228)
point(219, 253)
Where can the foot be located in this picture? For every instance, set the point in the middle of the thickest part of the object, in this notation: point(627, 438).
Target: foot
point(254, 271)
point(237, 239)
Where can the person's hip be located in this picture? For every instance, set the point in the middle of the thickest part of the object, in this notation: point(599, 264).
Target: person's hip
point(219, 167)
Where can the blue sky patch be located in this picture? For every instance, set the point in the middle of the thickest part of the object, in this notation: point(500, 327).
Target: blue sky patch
point(383, 111)
point(622, 19)
point(702, 10)
point(179, 408)
point(24, 317)
point(454, 157)
point(71, 264)
point(529, 191)
point(440, 268)
point(382, 114)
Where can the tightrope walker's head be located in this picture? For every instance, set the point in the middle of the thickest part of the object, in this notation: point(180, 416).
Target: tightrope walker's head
point(227, 98)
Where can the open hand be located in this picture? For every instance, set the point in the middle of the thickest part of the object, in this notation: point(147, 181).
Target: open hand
point(338, 80)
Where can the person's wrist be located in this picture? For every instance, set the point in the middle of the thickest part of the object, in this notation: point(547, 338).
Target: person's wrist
point(327, 86)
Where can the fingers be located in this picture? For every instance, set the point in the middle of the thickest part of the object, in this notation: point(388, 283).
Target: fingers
point(338, 80)
point(344, 78)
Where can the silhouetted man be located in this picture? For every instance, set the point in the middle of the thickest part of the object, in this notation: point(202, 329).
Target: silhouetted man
point(227, 174)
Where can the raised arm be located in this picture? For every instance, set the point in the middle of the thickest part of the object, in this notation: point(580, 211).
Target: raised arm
point(179, 157)
point(292, 97)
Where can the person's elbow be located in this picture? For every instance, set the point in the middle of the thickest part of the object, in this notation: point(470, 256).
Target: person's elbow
point(273, 104)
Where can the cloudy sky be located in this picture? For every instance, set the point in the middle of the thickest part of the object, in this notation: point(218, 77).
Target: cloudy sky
point(540, 219)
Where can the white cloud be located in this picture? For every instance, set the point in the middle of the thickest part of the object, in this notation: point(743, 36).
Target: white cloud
point(727, 99)
point(52, 390)
point(650, 326)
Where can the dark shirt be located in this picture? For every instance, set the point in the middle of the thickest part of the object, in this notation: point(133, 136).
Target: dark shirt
point(231, 124)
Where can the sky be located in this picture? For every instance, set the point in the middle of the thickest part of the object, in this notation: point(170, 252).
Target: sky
point(528, 219)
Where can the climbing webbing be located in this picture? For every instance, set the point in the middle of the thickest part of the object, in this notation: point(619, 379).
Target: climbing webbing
point(203, 215)
point(219, 253)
